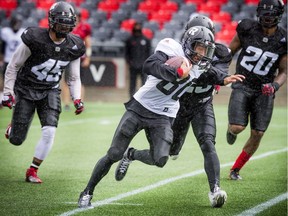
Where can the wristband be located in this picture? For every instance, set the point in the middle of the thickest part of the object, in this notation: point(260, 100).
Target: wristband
point(276, 86)
point(180, 72)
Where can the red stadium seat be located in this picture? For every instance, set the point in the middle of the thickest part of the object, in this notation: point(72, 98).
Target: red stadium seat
point(45, 5)
point(127, 25)
point(209, 8)
point(108, 7)
point(148, 6)
point(43, 23)
point(219, 2)
point(148, 33)
point(161, 17)
point(169, 6)
point(255, 2)
point(225, 36)
point(160, 1)
point(197, 2)
point(230, 26)
point(118, 1)
point(8, 4)
point(221, 17)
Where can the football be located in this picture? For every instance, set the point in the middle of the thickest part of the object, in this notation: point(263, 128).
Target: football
point(177, 61)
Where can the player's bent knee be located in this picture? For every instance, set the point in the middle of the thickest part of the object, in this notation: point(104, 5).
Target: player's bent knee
point(115, 154)
point(161, 162)
point(206, 138)
point(237, 128)
point(16, 141)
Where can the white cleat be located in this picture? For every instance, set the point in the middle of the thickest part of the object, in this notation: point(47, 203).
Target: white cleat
point(84, 200)
point(217, 198)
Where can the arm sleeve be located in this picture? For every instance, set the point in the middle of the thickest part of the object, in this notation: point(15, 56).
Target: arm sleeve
point(74, 81)
point(155, 66)
point(214, 76)
point(19, 57)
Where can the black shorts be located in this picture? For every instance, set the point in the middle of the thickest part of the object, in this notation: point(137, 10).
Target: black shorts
point(245, 105)
point(48, 109)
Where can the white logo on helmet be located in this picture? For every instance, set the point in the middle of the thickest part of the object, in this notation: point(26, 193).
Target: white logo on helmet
point(193, 30)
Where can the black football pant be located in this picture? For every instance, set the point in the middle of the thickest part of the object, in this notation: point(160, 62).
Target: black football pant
point(203, 124)
point(158, 132)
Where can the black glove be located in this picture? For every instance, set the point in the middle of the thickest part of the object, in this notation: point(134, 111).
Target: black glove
point(79, 105)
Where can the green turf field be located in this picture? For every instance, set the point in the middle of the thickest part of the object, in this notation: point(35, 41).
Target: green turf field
point(180, 188)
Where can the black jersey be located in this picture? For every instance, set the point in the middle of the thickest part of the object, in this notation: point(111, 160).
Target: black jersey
point(202, 91)
point(260, 55)
point(44, 68)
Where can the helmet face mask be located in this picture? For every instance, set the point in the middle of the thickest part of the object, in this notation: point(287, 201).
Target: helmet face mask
point(198, 46)
point(62, 19)
point(269, 12)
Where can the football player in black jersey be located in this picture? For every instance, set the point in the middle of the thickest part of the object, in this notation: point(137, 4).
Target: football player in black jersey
point(196, 108)
point(263, 61)
point(33, 76)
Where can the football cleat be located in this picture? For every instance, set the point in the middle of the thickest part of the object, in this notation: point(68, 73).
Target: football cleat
point(217, 198)
point(123, 165)
point(31, 176)
point(234, 175)
point(174, 157)
point(231, 138)
point(7, 132)
point(84, 200)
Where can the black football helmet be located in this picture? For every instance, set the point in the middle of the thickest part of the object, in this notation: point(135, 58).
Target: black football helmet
point(200, 20)
point(269, 12)
point(195, 37)
point(62, 19)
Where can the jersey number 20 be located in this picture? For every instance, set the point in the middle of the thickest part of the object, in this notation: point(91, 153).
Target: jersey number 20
point(264, 60)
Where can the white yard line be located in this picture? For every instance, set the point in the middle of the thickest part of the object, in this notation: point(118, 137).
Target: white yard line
point(263, 206)
point(160, 183)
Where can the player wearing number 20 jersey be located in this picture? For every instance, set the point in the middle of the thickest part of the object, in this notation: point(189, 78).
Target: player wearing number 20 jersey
point(263, 61)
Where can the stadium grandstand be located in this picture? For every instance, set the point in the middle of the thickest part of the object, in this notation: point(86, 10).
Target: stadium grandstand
point(112, 20)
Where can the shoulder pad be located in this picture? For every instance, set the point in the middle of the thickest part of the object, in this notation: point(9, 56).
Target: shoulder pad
point(223, 53)
point(29, 35)
point(170, 47)
point(75, 40)
point(245, 25)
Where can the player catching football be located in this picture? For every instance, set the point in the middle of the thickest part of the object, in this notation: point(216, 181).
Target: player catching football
point(33, 76)
point(153, 107)
point(263, 47)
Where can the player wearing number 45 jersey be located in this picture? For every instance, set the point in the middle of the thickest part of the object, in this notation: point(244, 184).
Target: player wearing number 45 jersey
point(263, 61)
point(33, 76)
point(153, 108)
